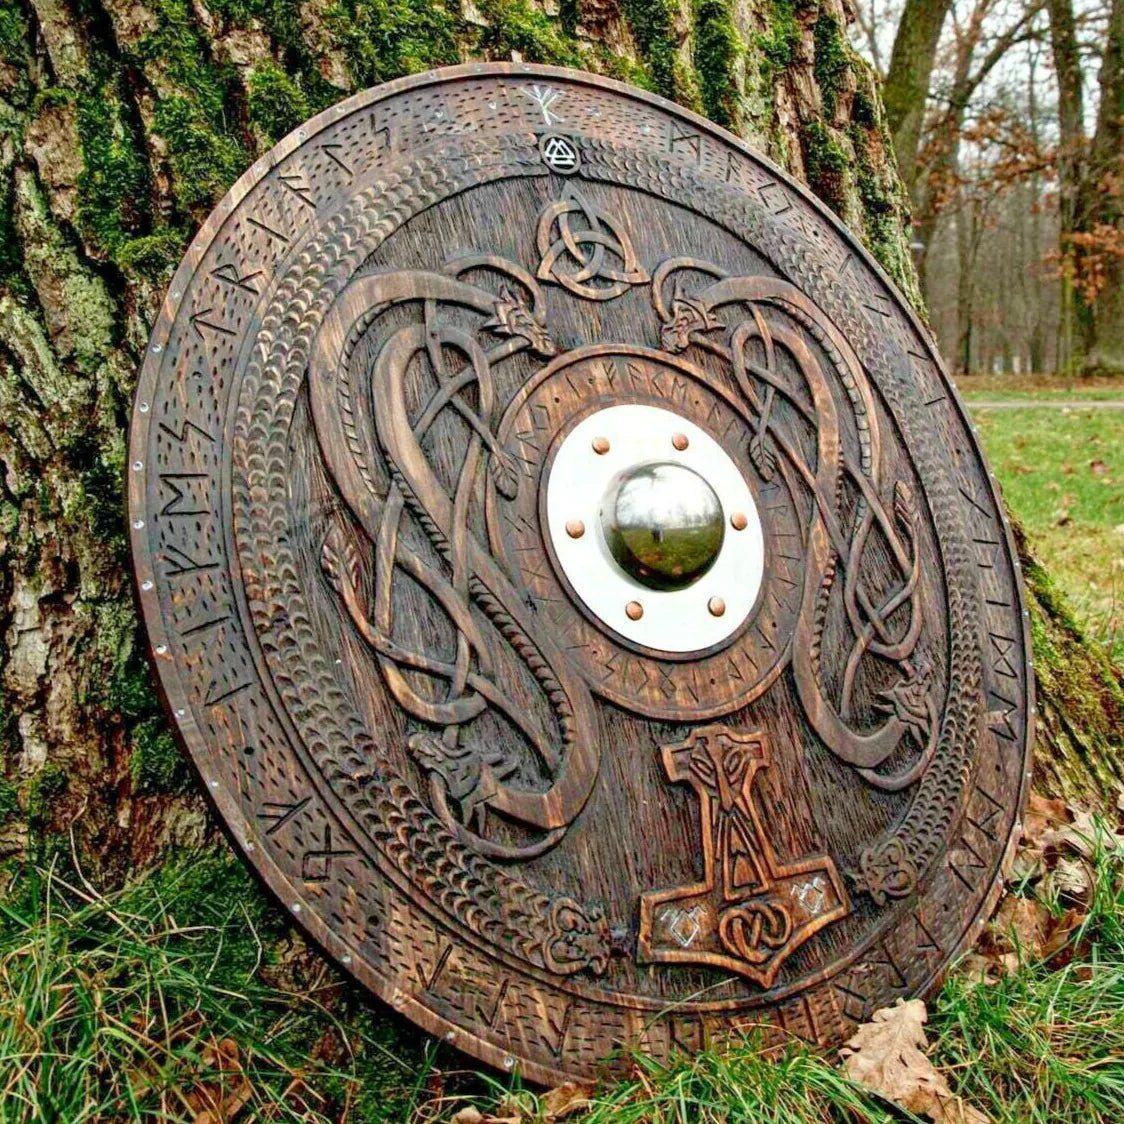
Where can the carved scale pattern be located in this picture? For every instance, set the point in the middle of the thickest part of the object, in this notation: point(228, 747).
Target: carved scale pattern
point(483, 897)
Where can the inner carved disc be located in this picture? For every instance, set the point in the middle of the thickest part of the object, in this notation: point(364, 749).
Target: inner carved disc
point(663, 524)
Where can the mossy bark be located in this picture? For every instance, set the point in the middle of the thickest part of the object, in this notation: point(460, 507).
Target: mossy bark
point(121, 124)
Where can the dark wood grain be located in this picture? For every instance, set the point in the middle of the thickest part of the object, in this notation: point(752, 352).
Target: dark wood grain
point(534, 837)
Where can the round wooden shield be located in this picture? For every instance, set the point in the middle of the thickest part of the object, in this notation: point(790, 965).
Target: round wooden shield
point(574, 578)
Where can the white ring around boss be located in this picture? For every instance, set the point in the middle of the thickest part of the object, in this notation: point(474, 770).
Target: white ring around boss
point(679, 621)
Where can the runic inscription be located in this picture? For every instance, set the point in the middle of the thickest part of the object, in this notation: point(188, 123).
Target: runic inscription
point(557, 773)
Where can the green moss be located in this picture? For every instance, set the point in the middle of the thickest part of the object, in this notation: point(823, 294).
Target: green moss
point(99, 502)
point(152, 254)
point(383, 39)
point(624, 68)
point(13, 31)
point(718, 49)
point(9, 800)
point(197, 112)
point(83, 317)
point(15, 49)
point(11, 263)
point(277, 104)
point(130, 692)
point(864, 113)
point(46, 787)
point(114, 184)
point(280, 17)
point(156, 764)
point(204, 161)
point(653, 25)
point(769, 54)
point(779, 43)
point(1077, 680)
point(517, 25)
point(831, 63)
point(826, 163)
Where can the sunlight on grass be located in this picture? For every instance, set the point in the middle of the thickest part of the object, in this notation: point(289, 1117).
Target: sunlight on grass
point(159, 1002)
point(1045, 1044)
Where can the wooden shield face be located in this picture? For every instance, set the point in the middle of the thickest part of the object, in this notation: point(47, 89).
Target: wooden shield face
point(574, 578)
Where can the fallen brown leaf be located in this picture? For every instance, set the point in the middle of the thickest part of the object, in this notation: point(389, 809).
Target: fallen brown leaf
point(1083, 836)
point(1042, 814)
point(1072, 878)
point(1062, 928)
point(1022, 926)
point(472, 1115)
point(887, 1055)
point(565, 1100)
point(220, 1101)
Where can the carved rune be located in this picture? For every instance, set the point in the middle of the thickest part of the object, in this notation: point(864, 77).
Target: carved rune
point(751, 910)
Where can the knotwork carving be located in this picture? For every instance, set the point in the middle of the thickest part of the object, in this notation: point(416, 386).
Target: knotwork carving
point(469, 776)
point(580, 257)
point(887, 623)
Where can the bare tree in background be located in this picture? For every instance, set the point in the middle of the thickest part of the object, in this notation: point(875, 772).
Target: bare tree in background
point(909, 79)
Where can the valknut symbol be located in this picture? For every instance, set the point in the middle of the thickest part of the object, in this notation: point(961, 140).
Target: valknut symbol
point(751, 910)
point(581, 259)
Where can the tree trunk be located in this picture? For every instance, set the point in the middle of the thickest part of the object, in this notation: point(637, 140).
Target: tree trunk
point(1102, 206)
point(1076, 317)
point(907, 81)
point(122, 124)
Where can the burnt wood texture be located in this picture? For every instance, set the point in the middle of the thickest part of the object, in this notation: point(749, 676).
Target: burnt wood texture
point(538, 838)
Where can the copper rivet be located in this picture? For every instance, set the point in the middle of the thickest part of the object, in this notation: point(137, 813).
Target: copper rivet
point(575, 528)
point(679, 440)
point(716, 606)
point(601, 445)
point(634, 610)
point(738, 521)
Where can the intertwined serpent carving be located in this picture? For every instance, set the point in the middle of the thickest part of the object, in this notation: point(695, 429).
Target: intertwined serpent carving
point(550, 931)
point(468, 770)
point(691, 320)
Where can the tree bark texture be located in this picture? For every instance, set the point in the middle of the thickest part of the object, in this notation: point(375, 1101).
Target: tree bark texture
point(1102, 207)
point(907, 81)
point(121, 125)
point(1090, 196)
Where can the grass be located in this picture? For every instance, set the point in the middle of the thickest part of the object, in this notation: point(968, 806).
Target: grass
point(164, 1002)
point(1062, 472)
point(182, 994)
point(1041, 388)
point(1045, 1045)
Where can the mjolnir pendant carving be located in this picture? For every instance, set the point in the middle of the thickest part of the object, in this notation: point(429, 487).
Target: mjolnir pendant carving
point(574, 577)
point(751, 910)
